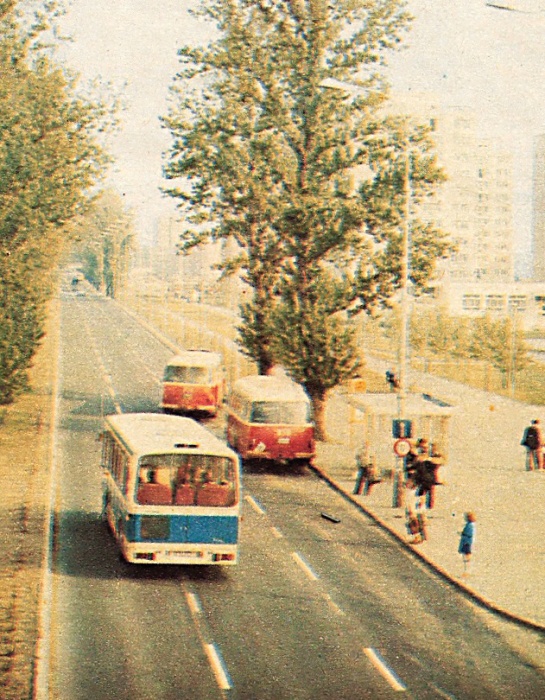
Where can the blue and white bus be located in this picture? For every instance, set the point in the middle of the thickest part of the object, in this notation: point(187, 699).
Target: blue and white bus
point(171, 490)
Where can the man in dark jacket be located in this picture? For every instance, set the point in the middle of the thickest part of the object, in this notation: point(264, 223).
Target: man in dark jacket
point(533, 441)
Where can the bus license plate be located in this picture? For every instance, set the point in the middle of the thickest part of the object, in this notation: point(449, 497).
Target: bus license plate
point(284, 441)
point(185, 555)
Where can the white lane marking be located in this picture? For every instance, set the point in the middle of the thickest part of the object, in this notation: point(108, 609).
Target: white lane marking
point(218, 666)
point(255, 505)
point(194, 603)
point(379, 663)
point(306, 567)
point(333, 605)
point(276, 532)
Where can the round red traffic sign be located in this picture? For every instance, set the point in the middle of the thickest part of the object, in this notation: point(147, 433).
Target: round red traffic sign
point(402, 447)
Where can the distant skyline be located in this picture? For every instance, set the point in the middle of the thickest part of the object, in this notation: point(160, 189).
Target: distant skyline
point(467, 53)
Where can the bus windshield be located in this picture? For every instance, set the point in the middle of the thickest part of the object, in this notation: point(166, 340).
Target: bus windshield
point(163, 478)
point(285, 412)
point(187, 375)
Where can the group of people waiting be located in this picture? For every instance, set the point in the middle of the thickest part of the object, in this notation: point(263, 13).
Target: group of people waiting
point(421, 466)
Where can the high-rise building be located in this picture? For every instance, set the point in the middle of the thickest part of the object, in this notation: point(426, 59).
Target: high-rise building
point(538, 222)
point(475, 205)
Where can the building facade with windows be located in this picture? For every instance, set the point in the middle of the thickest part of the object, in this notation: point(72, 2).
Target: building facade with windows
point(475, 205)
point(525, 299)
point(538, 222)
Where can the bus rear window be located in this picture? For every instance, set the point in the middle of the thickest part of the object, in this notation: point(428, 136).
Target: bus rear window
point(287, 412)
point(177, 479)
point(187, 375)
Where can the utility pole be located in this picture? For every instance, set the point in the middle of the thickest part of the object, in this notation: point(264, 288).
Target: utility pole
point(397, 498)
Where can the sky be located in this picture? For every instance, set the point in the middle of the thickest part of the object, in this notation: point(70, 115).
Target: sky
point(466, 52)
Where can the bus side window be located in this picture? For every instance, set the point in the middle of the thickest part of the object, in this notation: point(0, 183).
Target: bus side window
point(107, 446)
point(126, 477)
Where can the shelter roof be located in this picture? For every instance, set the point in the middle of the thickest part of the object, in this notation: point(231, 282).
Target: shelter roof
point(388, 404)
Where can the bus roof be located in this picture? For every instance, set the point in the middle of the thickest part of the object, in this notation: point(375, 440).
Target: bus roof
point(196, 358)
point(157, 433)
point(267, 388)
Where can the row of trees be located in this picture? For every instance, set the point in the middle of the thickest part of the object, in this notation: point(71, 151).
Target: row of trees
point(50, 160)
point(106, 240)
point(500, 342)
point(281, 141)
point(435, 335)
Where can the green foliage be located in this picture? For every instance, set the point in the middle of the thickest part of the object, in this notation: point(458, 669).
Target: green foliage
point(49, 161)
point(322, 352)
point(496, 341)
point(106, 240)
point(501, 343)
point(21, 325)
point(271, 123)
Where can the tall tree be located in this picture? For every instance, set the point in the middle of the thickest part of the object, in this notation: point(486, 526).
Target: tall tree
point(269, 149)
point(106, 241)
point(50, 159)
point(500, 342)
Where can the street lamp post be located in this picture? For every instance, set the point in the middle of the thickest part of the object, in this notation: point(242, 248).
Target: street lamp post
point(397, 497)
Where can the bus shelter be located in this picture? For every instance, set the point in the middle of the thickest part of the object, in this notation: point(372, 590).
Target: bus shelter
point(371, 423)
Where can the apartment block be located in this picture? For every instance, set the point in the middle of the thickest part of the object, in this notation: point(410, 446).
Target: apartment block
point(475, 205)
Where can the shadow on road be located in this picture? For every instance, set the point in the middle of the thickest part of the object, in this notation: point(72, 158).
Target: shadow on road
point(84, 547)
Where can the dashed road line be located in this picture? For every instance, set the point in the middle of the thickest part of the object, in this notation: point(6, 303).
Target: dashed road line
point(386, 672)
point(194, 603)
point(255, 505)
point(218, 666)
point(336, 608)
point(211, 649)
point(276, 532)
point(304, 566)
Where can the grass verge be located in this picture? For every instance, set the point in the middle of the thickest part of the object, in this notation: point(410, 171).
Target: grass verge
point(24, 474)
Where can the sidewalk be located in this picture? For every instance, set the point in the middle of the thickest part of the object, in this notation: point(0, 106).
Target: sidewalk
point(486, 474)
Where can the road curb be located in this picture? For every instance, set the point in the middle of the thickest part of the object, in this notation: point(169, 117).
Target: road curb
point(469, 592)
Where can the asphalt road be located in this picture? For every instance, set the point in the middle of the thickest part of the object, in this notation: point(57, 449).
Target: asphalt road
point(315, 609)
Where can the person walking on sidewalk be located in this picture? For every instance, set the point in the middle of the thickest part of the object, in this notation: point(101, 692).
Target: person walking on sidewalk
point(368, 473)
point(415, 517)
point(533, 441)
point(467, 540)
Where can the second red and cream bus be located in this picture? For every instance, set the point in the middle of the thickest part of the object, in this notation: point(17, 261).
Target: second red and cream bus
point(193, 382)
point(269, 418)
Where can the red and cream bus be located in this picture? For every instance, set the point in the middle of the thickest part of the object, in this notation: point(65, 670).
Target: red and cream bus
point(193, 381)
point(269, 418)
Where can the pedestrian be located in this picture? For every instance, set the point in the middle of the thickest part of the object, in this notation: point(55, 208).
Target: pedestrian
point(410, 461)
point(425, 473)
point(433, 464)
point(368, 472)
point(415, 518)
point(467, 541)
point(533, 441)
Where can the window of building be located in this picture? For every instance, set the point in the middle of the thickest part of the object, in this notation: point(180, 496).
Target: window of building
point(517, 302)
point(495, 302)
point(540, 303)
point(471, 302)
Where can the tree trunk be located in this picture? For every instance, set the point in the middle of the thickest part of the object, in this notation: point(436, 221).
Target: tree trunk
point(318, 412)
point(264, 363)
